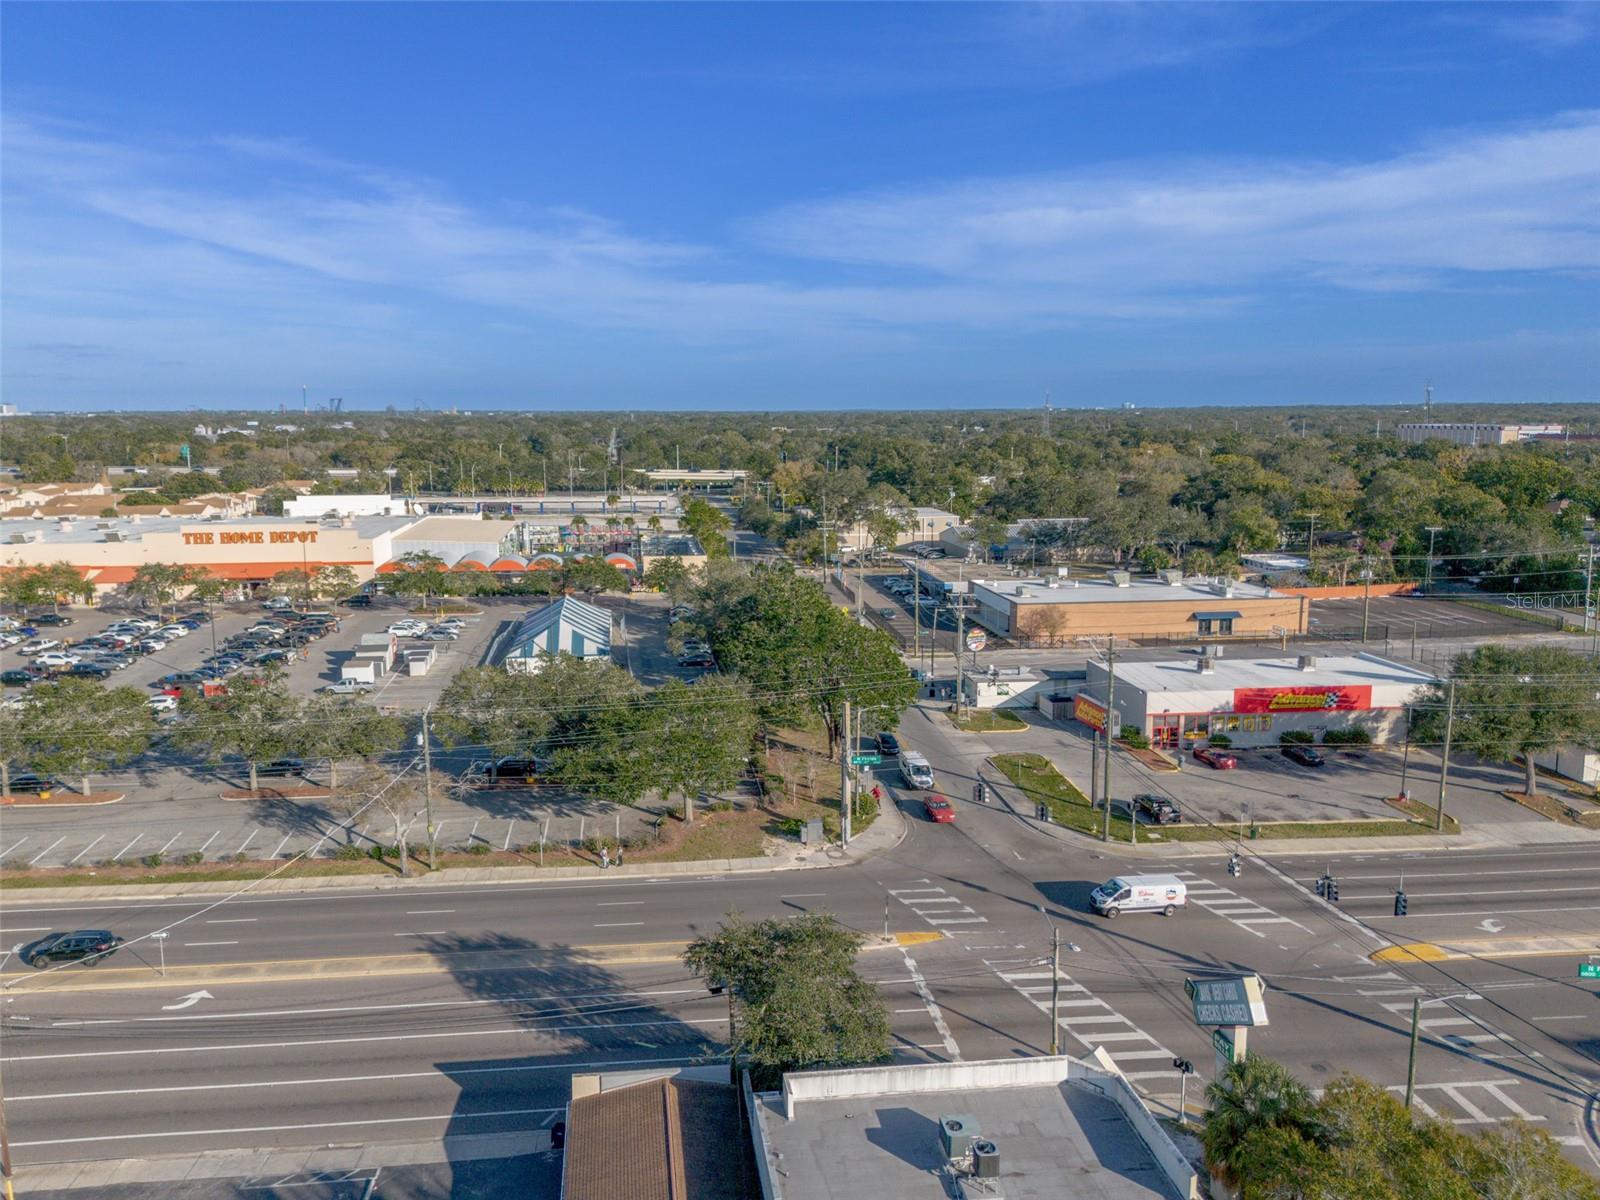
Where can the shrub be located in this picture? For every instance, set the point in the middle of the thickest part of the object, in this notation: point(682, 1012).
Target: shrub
point(349, 852)
point(1354, 736)
point(193, 859)
point(720, 806)
point(479, 848)
point(1220, 740)
point(1295, 737)
point(865, 807)
point(1134, 738)
point(240, 857)
point(152, 860)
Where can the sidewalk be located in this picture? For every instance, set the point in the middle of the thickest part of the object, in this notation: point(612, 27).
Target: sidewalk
point(884, 834)
point(276, 1168)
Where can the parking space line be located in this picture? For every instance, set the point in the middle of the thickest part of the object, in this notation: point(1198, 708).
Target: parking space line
point(129, 846)
point(13, 848)
point(208, 842)
point(278, 853)
point(247, 841)
point(510, 825)
point(47, 849)
point(168, 846)
point(85, 850)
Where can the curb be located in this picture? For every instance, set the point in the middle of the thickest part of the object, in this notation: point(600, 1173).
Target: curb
point(11, 801)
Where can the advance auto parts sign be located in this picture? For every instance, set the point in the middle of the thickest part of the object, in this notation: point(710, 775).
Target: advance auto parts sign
point(1090, 713)
point(1302, 699)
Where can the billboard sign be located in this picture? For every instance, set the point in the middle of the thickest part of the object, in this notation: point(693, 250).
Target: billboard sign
point(1228, 1001)
point(1091, 714)
point(1354, 698)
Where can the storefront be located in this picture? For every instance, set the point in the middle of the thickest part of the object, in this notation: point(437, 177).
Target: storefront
point(1253, 702)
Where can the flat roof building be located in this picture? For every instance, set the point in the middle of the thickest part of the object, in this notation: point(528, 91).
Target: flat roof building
point(1062, 609)
point(1253, 701)
point(1474, 433)
point(1025, 1129)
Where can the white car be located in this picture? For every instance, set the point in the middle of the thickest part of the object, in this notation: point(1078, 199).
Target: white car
point(56, 658)
point(38, 646)
point(172, 631)
point(408, 628)
point(153, 644)
point(141, 623)
point(9, 639)
point(163, 704)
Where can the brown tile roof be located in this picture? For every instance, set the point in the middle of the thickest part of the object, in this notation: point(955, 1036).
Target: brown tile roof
point(664, 1139)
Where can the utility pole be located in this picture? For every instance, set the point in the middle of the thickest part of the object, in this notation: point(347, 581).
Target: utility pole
point(1105, 764)
point(961, 631)
point(1588, 597)
point(1055, 988)
point(1433, 531)
point(1411, 1059)
point(427, 789)
point(5, 1150)
point(1366, 597)
point(847, 747)
point(1444, 761)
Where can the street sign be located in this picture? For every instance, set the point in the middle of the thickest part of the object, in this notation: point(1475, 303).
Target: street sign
point(865, 760)
point(1222, 1043)
point(977, 640)
point(1229, 1001)
point(1589, 970)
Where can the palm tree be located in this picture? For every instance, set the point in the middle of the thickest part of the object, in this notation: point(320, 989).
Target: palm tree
point(1252, 1104)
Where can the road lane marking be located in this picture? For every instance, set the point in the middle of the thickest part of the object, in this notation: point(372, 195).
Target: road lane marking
point(1387, 896)
point(233, 921)
point(278, 853)
point(13, 848)
point(948, 1042)
point(798, 895)
point(194, 945)
point(617, 924)
point(1231, 906)
point(618, 903)
point(1573, 1017)
point(9, 929)
point(178, 1133)
point(424, 912)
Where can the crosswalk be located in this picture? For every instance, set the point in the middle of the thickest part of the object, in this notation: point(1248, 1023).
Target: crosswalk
point(1452, 1025)
point(935, 905)
point(1231, 906)
point(1090, 1021)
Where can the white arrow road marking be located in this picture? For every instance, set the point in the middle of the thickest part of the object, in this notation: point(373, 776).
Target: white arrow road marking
point(1490, 925)
point(188, 1001)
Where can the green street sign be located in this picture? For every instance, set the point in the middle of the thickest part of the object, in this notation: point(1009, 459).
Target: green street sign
point(865, 760)
point(1589, 970)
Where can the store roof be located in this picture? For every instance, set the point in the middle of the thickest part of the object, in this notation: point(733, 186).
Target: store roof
point(450, 529)
point(85, 530)
point(1203, 593)
point(1182, 675)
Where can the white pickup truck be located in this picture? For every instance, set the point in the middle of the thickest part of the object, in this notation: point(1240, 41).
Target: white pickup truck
point(345, 687)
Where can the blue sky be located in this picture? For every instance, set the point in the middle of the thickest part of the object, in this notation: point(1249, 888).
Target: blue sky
point(798, 206)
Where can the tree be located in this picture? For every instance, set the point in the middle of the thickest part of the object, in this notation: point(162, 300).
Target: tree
point(77, 727)
point(708, 524)
point(795, 998)
point(491, 709)
point(420, 574)
point(1515, 701)
point(256, 719)
point(800, 653)
point(669, 575)
point(1255, 1104)
point(62, 581)
point(335, 581)
point(1153, 558)
point(988, 532)
point(593, 575)
point(708, 727)
point(158, 584)
point(292, 583)
point(337, 728)
point(400, 798)
point(206, 588)
point(15, 742)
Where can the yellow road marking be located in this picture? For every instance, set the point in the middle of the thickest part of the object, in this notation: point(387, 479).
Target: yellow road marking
point(1503, 947)
point(1410, 952)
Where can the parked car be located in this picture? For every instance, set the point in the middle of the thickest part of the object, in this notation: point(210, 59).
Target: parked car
point(1306, 756)
point(179, 678)
point(280, 767)
point(361, 601)
point(81, 945)
point(887, 745)
point(39, 645)
point(1156, 810)
point(88, 670)
point(163, 704)
point(939, 810)
point(187, 623)
point(278, 604)
point(57, 659)
point(117, 662)
point(345, 687)
point(199, 616)
point(27, 783)
point(703, 662)
point(173, 631)
point(150, 645)
point(509, 770)
point(1216, 759)
point(9, 639)
point(20, 676)
point(55, 620)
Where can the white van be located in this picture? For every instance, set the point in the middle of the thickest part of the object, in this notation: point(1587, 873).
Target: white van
point(916, 769)
point(1164, 894)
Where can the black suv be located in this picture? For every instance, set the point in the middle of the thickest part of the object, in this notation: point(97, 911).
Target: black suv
point(361, 601)
point(281, 767)
point(888, 745)
point(91, 944)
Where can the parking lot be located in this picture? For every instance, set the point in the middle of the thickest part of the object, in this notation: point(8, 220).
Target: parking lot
point(1394, 616)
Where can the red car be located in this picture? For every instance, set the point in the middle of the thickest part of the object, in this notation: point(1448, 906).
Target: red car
point(1217, 759)
point(939, 810)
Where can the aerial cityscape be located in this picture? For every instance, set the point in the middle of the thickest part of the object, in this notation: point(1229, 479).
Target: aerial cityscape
point(799, 602)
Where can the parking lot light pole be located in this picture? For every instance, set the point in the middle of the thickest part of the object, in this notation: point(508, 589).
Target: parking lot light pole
point(1427, 586)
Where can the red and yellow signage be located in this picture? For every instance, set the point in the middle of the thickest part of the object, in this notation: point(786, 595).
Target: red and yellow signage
point(1090, 713)
point(1302, 699)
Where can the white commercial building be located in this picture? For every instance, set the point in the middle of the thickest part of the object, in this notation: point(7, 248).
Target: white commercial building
point(1253, 701)
point(375, 504)
point(1473, 433)
point(567, 626)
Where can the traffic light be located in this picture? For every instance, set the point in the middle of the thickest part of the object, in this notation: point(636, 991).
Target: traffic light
point(1399, 904)
point(1183, 1066)
point(1235, 867)
point(1322, 886)
point(1333, 890)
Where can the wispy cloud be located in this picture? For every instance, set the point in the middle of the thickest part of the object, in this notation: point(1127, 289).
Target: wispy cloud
point(1549, 28)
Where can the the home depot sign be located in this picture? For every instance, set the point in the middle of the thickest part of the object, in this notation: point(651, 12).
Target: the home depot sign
point(226, 537)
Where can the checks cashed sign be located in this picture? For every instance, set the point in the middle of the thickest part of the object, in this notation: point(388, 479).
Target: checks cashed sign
point(1302, 699)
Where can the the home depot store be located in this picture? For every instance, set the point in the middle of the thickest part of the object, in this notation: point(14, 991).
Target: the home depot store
point(1253, 701)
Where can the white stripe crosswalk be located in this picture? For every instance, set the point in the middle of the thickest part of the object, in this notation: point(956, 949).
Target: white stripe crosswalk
point(936, 906)
point(1241, 910)
point(1087, 1019)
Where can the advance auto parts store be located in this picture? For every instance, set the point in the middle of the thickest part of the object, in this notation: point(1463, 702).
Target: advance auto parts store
point(248, 550)
point(1254, 701)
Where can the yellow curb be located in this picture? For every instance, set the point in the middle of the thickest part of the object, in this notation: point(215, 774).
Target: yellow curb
point(1410, 952)
point(921, 937)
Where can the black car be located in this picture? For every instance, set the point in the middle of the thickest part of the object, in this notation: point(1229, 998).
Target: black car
point(199, 617)
point(93, 945)
point(20, 676)
point(282, 766)
point(28, 783)
point(511, 770)
point(1306, 756)
point(888, 745)
point(1156, 810)
point(55, 619)
point(88, 670)
point(358, 602)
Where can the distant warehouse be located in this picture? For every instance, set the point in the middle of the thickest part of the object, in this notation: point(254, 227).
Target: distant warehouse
point(1063, 609)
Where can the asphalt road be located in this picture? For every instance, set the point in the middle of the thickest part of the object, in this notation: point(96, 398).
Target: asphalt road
point(390, 1014)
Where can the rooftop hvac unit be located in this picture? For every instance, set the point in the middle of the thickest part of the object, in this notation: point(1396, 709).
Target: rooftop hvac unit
point(1308, 662)
point(1022, 589)
point(1053, 584)
point(1120, 578)
point(113, 536)
point(985, 1159)
point(956, 1135)
point(1063, 572)
point(1206, 665)
point(1171, 577)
